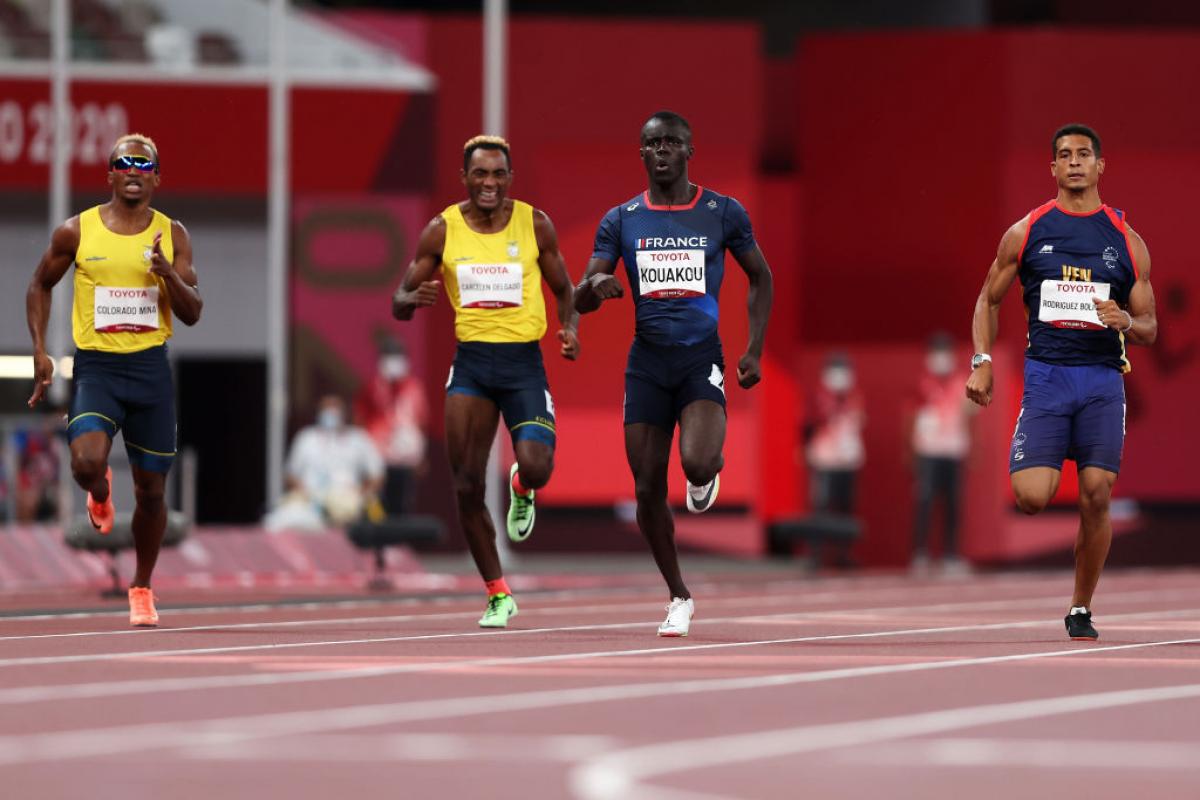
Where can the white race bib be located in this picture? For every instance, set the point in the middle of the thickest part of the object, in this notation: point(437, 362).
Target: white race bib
point(118, 309)
point(1068, 304)
point(663, 274)
point(490, 285)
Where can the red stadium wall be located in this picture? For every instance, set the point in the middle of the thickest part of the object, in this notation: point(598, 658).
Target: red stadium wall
point(914, 163)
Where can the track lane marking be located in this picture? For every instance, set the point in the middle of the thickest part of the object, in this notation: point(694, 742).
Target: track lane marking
point(768, 594)
point(94, 742)
point(145, 687)
point(622, 774)
point(833, 615)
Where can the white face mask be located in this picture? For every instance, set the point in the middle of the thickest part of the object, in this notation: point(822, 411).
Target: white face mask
point(394, 367)
point(940, 362)
point(838, 379)
point(329, 418)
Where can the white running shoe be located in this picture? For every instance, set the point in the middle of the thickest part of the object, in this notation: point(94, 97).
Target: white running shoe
point(701, 498)
point(679, 617)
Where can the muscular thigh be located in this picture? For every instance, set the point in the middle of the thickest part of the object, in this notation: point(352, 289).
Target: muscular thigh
point(648, 450)
point(702, 431)
point(470, 428)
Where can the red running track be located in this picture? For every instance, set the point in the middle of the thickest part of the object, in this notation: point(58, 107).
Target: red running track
point(854, 687)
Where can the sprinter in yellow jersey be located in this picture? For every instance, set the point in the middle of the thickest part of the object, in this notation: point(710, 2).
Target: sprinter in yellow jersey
point(493, 253)
point(133, 270)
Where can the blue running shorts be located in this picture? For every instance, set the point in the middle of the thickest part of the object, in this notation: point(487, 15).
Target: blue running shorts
point(660, 380)
point(128, 392)
point(511, 375)
point(1069, 412)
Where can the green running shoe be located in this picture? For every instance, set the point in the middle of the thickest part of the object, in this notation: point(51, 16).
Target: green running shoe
point(521, 512)
point(501, 608)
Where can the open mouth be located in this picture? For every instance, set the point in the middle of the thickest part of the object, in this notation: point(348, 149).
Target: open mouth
point(488, 196)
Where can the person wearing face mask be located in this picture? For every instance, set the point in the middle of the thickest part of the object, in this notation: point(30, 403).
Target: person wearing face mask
point(833, 438)
point(334, 472)
point(940, 442)
point(393, 410)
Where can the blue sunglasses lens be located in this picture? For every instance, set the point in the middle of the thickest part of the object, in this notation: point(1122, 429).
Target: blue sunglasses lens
point(140, 163)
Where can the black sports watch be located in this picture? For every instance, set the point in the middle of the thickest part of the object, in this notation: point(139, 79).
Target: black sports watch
point(978, 359)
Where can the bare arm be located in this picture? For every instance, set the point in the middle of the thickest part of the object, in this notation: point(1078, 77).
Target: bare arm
point(183, 290)
point(417, 290)
point(986, 321)
point(598, 284)
point(759, 299)
point(1139, 320)
point(57, 259)
point(554, 272)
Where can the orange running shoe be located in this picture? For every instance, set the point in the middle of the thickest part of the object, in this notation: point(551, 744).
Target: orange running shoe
point(141, 608)
point(102, 514)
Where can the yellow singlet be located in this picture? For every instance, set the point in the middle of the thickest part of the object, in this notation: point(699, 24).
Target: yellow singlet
point(120, 307)
point(493, 279)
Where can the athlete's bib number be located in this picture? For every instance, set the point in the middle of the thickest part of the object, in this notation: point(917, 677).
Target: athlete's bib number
point(490, 285)
point(1068, 304)
point(664, 274)
point(120, 309)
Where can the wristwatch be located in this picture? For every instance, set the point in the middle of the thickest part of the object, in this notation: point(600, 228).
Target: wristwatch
point(978, 359)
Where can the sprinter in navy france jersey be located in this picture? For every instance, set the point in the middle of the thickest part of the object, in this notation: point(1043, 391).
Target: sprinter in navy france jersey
point(675, 261)
point(1085, 278)
point(672, 239)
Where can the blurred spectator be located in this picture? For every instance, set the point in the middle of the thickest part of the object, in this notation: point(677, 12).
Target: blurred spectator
point(392, 409)
point(940, 443)
point(35, 490)
point(833, 438)
point(334, 473)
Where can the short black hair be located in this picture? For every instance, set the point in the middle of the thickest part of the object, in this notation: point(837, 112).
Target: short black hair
point(669, 117)
point(1075, 129)
point(485, 143)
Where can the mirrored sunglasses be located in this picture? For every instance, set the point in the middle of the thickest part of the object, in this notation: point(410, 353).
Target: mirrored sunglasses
point(127, 163)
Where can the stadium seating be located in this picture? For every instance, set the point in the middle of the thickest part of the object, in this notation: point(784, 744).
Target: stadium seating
point(81, 535)
point(389, 532)
point(814, 531)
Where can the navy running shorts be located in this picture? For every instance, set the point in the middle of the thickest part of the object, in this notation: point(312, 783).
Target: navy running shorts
point(511, 375)
point(1069, 412)
point(660, 380)
point(128, 392)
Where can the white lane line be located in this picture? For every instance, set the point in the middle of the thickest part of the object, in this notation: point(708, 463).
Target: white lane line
point(768, 594)
point(732, 585)
point(87, 743)
point(736, 582)
point(1103, 755)
point(535, 608)
point(623, 774)
point(52, 692)
point(865, 614)
point(388, 748)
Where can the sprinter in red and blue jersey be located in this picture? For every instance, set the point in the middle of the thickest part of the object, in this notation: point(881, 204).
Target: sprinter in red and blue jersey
point(1085, 278)
point(672, 238)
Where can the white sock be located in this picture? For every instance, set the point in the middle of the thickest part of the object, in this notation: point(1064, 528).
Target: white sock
point(1079, 609)
point(698, 491)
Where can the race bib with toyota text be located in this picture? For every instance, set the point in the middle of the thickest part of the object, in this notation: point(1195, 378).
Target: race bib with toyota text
point(663, 274)
point(1068, 304)
point(118, 309)
point(490, 285)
